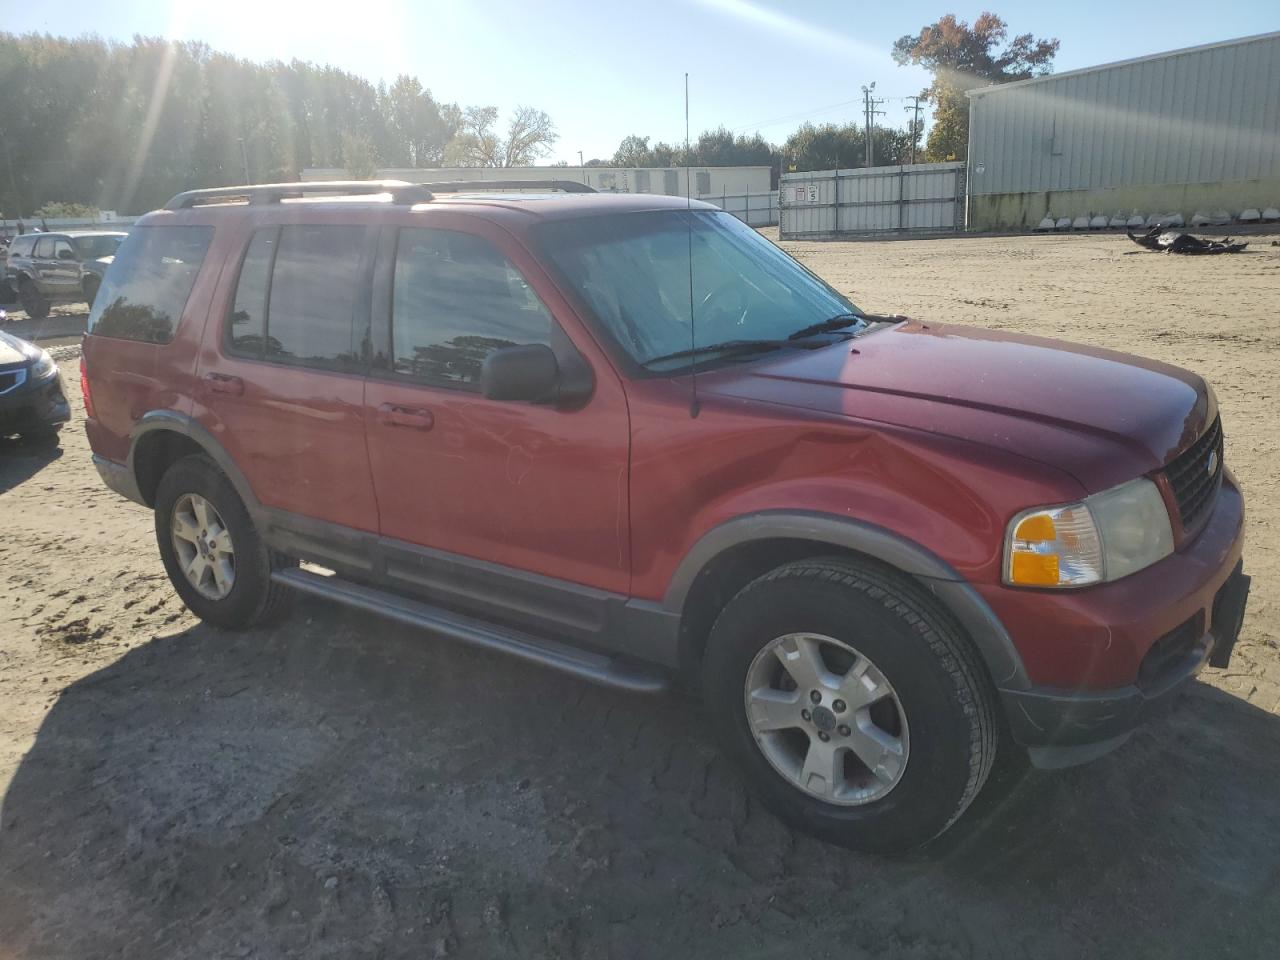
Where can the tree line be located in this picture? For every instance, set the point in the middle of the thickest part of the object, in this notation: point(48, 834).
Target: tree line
point(125, 126)
point(88, 122)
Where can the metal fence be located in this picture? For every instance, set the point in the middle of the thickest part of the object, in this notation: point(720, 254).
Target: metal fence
point(753, 209)
point(920, 197)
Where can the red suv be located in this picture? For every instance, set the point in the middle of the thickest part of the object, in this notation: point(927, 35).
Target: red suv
point(627, 437)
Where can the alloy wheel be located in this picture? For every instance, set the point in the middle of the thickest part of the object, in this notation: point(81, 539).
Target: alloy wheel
point(203, 546)
point(826, 719)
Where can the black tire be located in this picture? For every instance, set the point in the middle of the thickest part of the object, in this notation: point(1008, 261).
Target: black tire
point(33, 302)
point(942, 686)
point(253, 598)
point(91, 284)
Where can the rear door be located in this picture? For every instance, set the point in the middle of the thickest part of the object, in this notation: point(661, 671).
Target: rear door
point(282, 378)
point(535, 493)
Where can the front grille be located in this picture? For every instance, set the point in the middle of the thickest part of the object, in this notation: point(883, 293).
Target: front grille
point(10, 379)
point(1194, 475)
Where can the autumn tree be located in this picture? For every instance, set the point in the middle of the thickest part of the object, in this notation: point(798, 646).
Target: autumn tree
point(962, 57)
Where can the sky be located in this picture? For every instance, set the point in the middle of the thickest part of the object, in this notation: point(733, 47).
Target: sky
point(604, 70)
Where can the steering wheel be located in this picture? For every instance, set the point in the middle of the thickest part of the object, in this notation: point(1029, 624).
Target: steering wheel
point(726, 305)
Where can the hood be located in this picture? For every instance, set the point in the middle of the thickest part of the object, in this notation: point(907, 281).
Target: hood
point(13, 350)
point(1103, 417)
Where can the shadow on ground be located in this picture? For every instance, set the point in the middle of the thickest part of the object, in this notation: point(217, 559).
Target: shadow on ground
point(343, 788)
point(22, 459)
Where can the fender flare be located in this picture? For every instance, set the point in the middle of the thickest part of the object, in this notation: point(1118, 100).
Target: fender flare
point(171, 421)
point(932, 572)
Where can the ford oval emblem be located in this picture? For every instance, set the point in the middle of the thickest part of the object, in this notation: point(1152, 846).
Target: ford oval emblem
point(1212, 464)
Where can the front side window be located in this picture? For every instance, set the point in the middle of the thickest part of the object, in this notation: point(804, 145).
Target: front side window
point(62, 250)
point(146, 289)
point(455, 300)
point(645, 274)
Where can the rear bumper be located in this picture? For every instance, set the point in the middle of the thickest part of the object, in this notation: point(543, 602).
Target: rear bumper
point(1104, 660)
point(119, 478)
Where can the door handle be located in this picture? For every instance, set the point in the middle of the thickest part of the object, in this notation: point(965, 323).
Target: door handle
point(224, 383)
point(413, 417)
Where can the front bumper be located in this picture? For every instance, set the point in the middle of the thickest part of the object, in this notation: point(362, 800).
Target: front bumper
point(34, 405)
point(1103, 660)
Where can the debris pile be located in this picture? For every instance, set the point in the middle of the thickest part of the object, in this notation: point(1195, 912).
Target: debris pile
point(1162, 240)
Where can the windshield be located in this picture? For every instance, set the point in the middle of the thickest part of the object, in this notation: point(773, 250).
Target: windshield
point(635, 271)
point(91, 248)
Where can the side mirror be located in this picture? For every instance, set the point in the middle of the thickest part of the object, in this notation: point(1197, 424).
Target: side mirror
point(531, 373)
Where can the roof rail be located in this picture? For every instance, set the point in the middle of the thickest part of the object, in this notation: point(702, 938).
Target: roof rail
point(402, 192)
point(480, 186)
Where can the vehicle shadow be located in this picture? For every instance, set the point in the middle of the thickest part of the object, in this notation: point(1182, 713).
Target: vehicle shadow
point(21, 459)
point(341, 787)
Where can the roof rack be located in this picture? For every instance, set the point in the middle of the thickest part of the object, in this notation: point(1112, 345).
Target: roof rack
point(480, 186)
point(402, 192)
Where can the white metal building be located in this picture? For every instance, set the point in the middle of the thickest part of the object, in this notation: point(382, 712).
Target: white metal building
point(704, 182)
point(1193, 130)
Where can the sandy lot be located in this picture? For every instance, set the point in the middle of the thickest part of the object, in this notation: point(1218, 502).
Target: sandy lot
point(340, 787)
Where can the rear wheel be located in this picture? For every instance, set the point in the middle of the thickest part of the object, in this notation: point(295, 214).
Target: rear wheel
point(211, 549)
point(854, 705)
point(33, 302)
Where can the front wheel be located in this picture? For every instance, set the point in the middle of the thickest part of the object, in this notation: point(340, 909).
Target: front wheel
point(854, 705)
point(91, 284)
point(211, 549)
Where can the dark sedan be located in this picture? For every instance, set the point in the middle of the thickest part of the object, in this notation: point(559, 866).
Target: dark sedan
point(32, 403)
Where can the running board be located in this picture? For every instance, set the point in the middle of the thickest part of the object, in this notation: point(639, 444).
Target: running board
point(594, 667)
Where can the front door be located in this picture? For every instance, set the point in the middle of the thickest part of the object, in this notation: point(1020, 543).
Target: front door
point(499, 505)
point(281, 383)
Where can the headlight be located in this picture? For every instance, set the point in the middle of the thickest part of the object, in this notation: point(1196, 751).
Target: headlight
point(43, 366)
point(1104, 537)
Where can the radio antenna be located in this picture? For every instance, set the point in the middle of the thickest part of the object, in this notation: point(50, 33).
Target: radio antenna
point(694, 406)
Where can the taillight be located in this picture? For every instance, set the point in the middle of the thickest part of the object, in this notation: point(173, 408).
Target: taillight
point(84, 391)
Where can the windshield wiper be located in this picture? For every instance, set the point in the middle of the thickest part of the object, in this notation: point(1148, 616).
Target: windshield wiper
point(838, 322)
point(739, 347)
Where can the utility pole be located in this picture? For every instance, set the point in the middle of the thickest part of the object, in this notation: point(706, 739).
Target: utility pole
point(244, 158)
point(869, 104)
point(915, 124)
point(583, 165)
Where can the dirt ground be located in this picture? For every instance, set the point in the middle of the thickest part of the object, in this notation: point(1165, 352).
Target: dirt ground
point(341, 787)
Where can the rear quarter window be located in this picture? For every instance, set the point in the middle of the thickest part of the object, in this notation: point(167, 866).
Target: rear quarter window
point(147, 286)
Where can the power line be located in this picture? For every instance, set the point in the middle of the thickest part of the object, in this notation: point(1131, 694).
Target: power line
point(810, 113)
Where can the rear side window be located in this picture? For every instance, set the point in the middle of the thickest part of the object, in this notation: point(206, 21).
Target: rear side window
point(146, 289)
point(456, 300)
point(296, 297)
point(247, 330)
point(44, 248)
